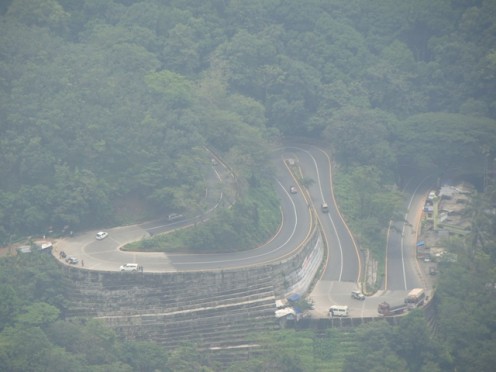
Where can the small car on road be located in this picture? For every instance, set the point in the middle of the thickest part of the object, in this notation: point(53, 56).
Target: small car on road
point(175, 216)
point(101, 235)
point(357, 295)
point(72, 260)
point(293, 190)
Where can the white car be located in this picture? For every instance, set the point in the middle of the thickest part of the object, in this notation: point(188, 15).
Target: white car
point(72, 260)
point(358, 295)
point(101, 235)
point(293, 190)
point(175, 216)
point(129, 267)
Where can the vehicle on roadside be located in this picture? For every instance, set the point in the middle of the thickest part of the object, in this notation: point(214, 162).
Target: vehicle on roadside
point(72, 260)
point(175, 216)
point(338, 310)
point(357, 295)
point(129, 267)
point(385, 309)
point(293, 190)
point(324, 207)
point(415, 298)
point(101, 235)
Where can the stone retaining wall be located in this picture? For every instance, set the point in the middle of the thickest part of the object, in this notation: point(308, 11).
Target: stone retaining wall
point(212, 308)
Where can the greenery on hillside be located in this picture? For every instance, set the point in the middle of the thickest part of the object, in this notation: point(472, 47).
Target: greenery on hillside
point(249, 222)
point(110, 104)
point(35, 337)
point(106, 107)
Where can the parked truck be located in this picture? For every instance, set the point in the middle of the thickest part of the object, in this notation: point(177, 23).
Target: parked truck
point(386, 309)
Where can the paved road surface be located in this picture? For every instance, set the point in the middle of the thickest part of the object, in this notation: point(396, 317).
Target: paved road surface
point(345, 264)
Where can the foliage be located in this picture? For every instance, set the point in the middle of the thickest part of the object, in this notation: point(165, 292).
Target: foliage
point(368, 204)
point(26, 279)
point(34, 337)
point(448, 145)
point(102, 102)
point(249, 223)
point(363, 137)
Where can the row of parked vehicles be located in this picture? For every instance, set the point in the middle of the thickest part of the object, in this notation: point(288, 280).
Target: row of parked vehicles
point(415, 298)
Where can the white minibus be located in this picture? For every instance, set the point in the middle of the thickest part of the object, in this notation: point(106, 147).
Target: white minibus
point(337, 310)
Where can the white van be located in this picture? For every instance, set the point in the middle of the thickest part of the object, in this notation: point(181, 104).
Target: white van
point(337, 310)
point(129, 267)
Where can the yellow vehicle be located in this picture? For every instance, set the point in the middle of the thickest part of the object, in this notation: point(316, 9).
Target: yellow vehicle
point(415, 297)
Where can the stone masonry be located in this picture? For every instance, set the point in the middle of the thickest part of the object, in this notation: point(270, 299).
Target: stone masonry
point(212, 308)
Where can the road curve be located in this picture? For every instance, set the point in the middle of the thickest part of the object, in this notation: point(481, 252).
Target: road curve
point(106, 255)
point(345, 262)
point(402, 272)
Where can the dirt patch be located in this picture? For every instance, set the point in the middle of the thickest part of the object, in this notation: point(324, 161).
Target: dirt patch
point(8, 251)
point(131, 209)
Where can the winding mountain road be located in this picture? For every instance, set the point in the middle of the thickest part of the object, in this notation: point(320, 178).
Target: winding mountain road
point(345, 265)
point(106, 254)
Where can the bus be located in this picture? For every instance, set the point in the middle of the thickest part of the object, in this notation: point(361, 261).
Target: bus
point(415, 297)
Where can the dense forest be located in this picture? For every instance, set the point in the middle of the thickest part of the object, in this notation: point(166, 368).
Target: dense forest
point(106, 107)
